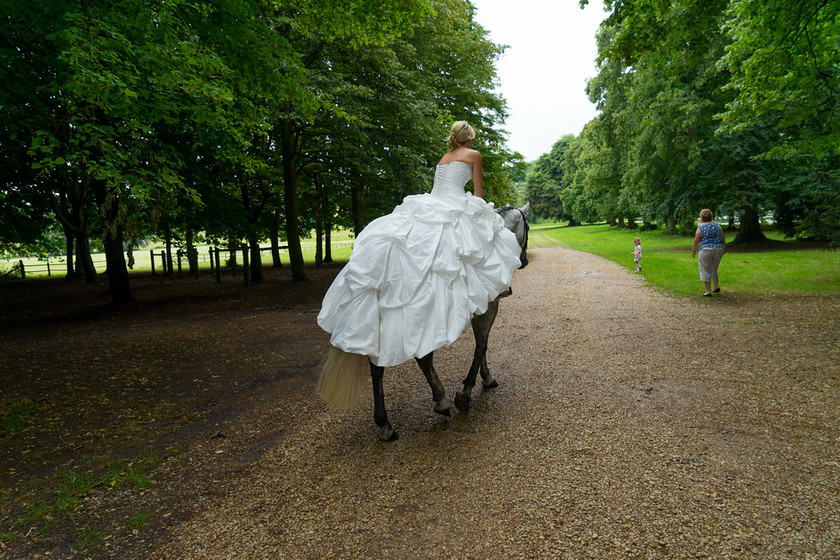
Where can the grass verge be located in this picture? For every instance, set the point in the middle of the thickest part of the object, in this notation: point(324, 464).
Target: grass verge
point(778, 267)
point(60, 499)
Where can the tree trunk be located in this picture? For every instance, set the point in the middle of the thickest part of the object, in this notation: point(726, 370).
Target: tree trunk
point(357, 203)
point(168, 237)
point(83, 259)
point(750, 229)
point(631, 223)
point(275, 240)
point(71, 209)
point(118, 282)
point(69, 248)
point(672, 225)
point(327, 228)
point(620, 222)
point(328, 244)
point(319, 238)
point(233, 247)
point(319, 251)
point(291, 199)
point(130, 254)
point(317, 210)
point(256, 259)
point(192, 253)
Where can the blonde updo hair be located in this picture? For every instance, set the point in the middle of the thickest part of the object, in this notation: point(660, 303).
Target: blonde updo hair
point(706, 215)
point(460, 133)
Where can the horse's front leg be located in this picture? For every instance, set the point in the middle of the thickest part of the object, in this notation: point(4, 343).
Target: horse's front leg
point(380, 415)
point(442, 404)
point(481, 325)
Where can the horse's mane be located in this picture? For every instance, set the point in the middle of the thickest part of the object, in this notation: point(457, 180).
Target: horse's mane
point(503, 211)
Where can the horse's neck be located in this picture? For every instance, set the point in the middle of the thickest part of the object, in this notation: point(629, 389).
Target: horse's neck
point(513, 222)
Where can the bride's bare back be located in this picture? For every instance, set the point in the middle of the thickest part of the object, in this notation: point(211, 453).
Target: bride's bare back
point(473, 159)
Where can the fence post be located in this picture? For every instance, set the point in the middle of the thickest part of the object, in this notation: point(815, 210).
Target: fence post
point(178, 256)
point(22, 271)
point(218, 268)
point(212, 264)
point(152, 258)
point(246, 268)
point(163, 263)
point(49, 273)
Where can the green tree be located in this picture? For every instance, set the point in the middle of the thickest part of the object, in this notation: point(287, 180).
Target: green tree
point(660, 86)
point(180, 118)
point(785, 73)
point(392, 104)
point(546, 181)
point(117, 76)
point(578, 197)
point(32, 203)
point(786, 76)
point(607, 137)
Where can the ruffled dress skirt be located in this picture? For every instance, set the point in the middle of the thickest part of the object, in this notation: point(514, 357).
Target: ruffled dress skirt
point(417, 276)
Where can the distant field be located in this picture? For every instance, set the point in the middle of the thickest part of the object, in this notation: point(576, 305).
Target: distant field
point(342, 245)
point(782, 267)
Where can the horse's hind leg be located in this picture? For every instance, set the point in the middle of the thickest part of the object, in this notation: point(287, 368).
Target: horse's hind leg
point(487, 379)
point(481, 325)
point(380, 415)
point(442, 404)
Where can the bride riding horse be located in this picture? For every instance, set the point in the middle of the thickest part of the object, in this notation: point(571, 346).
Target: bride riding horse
point(344, 374)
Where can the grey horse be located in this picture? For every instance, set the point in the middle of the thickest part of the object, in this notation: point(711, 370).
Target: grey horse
point(343, 374)
point(516, 222)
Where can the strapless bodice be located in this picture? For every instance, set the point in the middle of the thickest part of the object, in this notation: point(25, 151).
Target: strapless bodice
point(450, 178)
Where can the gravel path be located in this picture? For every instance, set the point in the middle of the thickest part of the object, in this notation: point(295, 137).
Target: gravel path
point(627, 424)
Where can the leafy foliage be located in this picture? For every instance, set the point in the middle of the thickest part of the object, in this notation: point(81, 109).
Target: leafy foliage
point(785, 71)
point(129, 119)
point(726, 105)
point(545, 182)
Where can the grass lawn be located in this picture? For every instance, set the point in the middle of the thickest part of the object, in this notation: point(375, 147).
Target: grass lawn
point(342, 245)
point(779, 267)
point(782, 267)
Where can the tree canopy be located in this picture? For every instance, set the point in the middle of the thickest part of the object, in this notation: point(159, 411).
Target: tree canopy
point(731, 105)
point(233, 121)
point(240, 121)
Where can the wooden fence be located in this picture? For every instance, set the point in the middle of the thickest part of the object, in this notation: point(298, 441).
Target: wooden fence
point(160, 264)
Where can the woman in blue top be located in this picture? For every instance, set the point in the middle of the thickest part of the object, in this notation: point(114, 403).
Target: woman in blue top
point(712, 244)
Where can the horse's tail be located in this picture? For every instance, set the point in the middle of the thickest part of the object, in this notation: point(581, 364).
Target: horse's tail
point(343, 376)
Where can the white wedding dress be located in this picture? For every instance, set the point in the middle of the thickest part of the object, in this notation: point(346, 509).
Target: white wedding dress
point(417, 275)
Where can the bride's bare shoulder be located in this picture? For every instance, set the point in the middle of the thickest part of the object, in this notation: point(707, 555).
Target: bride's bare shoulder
point(465, 155)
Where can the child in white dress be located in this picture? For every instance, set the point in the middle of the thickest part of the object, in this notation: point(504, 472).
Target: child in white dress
point(637, 254)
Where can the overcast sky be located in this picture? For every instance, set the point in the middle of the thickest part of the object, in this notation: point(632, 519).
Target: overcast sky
point(544, 71)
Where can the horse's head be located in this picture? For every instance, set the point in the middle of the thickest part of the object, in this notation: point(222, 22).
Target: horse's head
point(516, 222)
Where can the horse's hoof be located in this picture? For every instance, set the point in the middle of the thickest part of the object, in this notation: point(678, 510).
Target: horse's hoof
point(490, 384)
point(443, 407)
point(462, 402)
point(388, 433)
